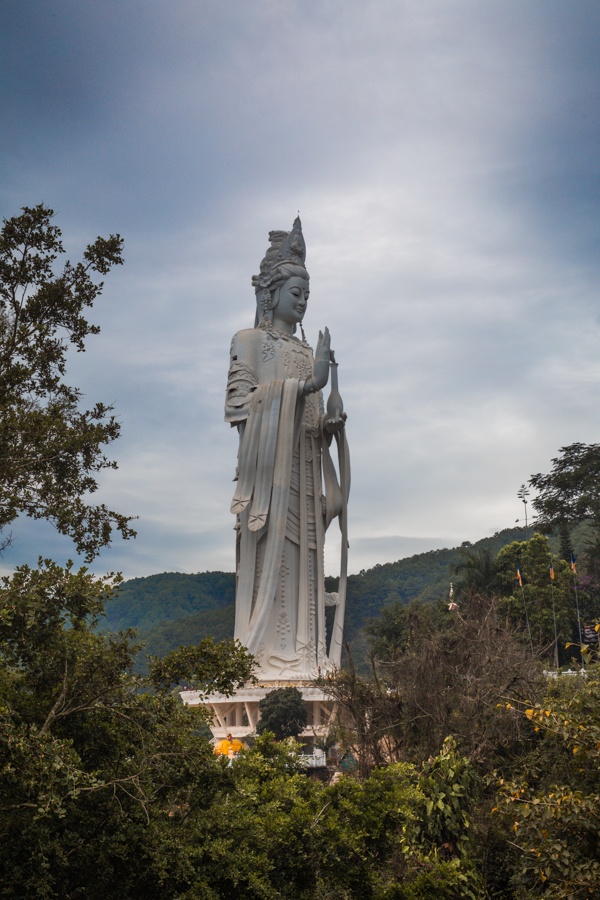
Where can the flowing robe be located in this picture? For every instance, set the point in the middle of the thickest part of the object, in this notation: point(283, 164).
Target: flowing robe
point(282, 506)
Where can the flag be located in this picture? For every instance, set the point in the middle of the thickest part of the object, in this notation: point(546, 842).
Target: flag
point(573, 566)
point(551, 572)
point(519, 579)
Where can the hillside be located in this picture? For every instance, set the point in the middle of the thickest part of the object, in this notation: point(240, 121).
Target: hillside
point(172, 609)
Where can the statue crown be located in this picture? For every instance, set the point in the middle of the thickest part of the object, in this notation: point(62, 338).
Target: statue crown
point(286, 247)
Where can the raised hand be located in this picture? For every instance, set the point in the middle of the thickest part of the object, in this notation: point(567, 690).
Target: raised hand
point(320, 374)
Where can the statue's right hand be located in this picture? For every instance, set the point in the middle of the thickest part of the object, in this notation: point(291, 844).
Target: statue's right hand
point(320, 374)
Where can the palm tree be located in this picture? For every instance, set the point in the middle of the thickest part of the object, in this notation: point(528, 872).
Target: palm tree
point(477, 571)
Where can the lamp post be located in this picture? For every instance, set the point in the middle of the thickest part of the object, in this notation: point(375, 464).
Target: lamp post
point(523, 494)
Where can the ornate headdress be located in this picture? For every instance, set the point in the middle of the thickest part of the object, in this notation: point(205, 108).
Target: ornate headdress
point(287, 248)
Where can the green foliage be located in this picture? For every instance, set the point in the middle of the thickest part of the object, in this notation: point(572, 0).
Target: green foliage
point(351, 839)
point(50, 450)
point(95, 769)
point(363, 826)
point(477, 571)
point(425, 576)
point(566, 545)
point(283, 712)
point(145, 603)
point(450, 785)
point(109, 790)
point(172, 609)
point(164, 637)
point(442, 880)
point(569, 492)
point(556, 823)
point(542, 602)
point(207, 666)
point(401, 628)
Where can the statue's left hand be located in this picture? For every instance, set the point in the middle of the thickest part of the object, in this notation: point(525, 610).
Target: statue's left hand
point(334, 424)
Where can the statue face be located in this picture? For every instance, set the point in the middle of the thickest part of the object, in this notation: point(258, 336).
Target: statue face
point(293, 299)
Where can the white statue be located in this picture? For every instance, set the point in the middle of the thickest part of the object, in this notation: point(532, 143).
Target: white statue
point(288, 491)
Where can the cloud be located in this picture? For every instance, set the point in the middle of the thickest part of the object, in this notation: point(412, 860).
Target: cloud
point(444, 158)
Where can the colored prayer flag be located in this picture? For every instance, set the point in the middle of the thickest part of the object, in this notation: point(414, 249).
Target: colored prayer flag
point(573, 566)
point(519, 579)
point(551, 572)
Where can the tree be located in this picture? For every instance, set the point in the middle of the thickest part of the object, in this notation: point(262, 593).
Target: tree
point(370, 713)
point(551, 801)
point(401, 626)
point(477, 571)
point(541, 603)
point(447, 683)
point(283, 712)
point(51, 450)
point(566, 546)
point(570, 492)
point(98, 768)
point(277, 834)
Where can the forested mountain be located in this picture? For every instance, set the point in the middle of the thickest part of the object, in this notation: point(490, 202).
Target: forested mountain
point(173, 609)
point(425, 575)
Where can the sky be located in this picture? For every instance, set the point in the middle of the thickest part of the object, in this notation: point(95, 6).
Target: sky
point(445, 158)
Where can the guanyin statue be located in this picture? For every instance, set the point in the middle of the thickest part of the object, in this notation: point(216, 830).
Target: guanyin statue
point(288, 490)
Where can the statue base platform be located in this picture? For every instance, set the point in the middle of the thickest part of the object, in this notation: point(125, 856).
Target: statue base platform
point(238, 715)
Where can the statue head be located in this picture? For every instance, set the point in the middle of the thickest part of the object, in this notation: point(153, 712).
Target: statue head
point(283, 260)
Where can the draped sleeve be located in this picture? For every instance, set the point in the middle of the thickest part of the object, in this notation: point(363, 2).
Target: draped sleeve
point(243, 378)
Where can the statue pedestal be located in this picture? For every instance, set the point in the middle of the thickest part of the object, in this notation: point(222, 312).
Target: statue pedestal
point(238, 715)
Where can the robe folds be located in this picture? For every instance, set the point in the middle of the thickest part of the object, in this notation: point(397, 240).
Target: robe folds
point(287, 493)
